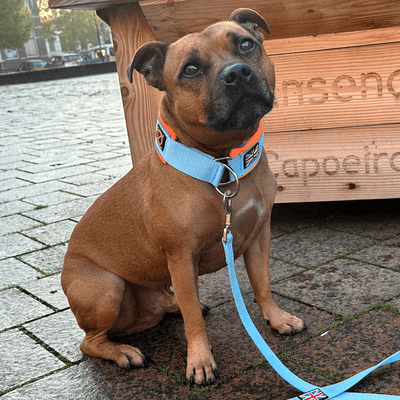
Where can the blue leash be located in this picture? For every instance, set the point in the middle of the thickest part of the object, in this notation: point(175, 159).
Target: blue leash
point(204, 167)
point(311, 392)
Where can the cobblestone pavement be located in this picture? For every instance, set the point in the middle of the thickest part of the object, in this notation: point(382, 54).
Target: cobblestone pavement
point(336, 265)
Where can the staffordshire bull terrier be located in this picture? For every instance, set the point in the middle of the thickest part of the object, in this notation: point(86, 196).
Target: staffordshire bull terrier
point(158, 227)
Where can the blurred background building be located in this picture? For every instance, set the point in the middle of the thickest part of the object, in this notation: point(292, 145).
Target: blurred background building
point(35, 47)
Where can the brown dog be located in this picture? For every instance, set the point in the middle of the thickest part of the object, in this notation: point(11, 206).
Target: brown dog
point(158, 226)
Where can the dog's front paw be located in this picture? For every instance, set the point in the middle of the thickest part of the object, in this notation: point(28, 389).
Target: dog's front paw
point(285, 323)
point(130, 357)
point(201, 369)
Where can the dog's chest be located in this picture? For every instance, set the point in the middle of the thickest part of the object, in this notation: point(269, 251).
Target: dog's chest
point(247, 217)
point(253, 208)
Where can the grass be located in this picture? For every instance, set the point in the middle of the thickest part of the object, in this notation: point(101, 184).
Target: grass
point(285, 356)
point(39, 207)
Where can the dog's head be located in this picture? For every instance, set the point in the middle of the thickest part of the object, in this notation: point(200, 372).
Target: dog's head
point(221, 77)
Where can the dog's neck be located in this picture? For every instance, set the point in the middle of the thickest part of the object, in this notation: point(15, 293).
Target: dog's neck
point(205, 139)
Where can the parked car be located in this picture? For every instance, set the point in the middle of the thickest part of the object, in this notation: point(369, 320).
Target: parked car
point(99, 54)
point(31, 65)
point(66, 60)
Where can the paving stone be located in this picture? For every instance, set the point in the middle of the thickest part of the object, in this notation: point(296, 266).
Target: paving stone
point(215, 288)
point(93, 189)
point(84, 179)
point(14, 272)
point(25, 359)
point(14, 207)
point(52, 234)
point(233, 348)
point(52, 198)
point(5, 160)
point(342, 286)
point(16, 165)
point(49, 260)
point(57, 173)
point(377, 219)
point(117, 172)
point(61, 332)
point(292, 217)
point(99, 380)
point(55, 145)
point(395, 303)
point(17, 307)
point(105, 155)
point(355, 346)
point(11, 183)
point(263, 383)
point(277, 233)
point(117, 162)
point(17, 244)
point(16, 223)
point(385, 254)
point(314, 246)
point(48, 289)
point(32, 190)
point(63, 211)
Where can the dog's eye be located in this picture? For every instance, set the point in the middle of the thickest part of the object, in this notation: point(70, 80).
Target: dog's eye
point(246, 45)
point(190, 70)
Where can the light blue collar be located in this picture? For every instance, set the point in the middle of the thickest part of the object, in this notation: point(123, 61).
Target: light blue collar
point(202, 166)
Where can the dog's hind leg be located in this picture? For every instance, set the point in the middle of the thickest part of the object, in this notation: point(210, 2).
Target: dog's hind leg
point(96, 298)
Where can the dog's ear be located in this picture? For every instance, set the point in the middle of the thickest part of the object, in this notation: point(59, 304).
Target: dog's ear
point(149, 60)
point(250, 20)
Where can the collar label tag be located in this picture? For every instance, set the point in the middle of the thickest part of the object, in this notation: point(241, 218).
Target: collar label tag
point(251, 156)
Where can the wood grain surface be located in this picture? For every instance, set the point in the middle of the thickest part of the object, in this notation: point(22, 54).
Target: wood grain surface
point(352, 86)
point(331, 41)
point(336, 164)
point(171, 19)
point(130, 30)
point(335, 132)
point(87, 4)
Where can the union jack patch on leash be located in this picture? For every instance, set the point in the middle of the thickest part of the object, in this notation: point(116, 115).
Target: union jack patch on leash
point(252, 155)
point(315, 394)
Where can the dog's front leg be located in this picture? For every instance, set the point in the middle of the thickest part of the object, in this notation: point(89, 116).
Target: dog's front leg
point(256, 259)
point(201, 367)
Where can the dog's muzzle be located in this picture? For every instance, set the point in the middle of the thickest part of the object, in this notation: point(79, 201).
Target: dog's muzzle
point(240, 97)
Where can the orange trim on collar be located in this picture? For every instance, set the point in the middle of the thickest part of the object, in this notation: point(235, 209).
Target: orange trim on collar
point(168, 128)
point(253, 139)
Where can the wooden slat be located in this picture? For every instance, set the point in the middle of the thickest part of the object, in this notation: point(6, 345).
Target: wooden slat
point(292, 18)
point(87, 4)
point(361, 86)
point(332, 41)
point(130, 31)
point(336, 164)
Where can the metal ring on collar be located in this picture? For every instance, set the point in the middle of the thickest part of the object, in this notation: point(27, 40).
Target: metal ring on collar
point(236, 191)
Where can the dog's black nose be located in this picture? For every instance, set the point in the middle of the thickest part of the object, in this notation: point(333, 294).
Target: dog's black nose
point(236, 73)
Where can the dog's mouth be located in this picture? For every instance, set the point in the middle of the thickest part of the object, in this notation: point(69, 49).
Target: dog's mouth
point(240, 113)
point(240, 97)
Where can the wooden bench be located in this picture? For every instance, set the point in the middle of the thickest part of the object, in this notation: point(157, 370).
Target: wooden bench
point(335, 132)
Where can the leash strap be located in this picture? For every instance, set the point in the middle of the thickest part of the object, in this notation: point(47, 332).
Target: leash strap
point(311, 392)
point(202, 166)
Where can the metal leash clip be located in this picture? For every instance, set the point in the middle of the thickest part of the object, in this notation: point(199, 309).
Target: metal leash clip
point(228, 214)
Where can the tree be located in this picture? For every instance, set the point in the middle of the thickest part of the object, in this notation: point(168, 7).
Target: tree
point(74, 25)
point(16, 24)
